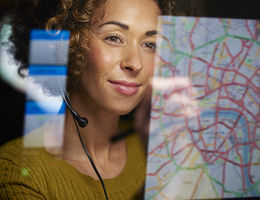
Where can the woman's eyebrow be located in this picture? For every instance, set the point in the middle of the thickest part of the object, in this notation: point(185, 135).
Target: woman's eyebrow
point(151, 33)
point(123, 26)
point(126, 27)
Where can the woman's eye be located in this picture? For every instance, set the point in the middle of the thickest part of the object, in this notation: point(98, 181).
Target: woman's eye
point(113, 38)
point(150, 45)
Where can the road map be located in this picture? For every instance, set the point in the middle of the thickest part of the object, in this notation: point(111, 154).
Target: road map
point(204, 139)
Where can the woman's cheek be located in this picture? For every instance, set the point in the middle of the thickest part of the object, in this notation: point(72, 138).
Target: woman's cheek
point(149, 65)
point(106, 58)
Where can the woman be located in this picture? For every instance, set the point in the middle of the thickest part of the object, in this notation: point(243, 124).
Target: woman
point(111, 61)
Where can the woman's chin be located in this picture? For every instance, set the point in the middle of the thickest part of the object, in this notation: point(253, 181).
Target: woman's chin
point(122, 109)
point(120, 112)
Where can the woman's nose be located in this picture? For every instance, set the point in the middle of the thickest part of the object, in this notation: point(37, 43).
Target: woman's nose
point(132, 61)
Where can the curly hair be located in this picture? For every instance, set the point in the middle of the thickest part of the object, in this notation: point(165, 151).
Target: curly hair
point(75, 16)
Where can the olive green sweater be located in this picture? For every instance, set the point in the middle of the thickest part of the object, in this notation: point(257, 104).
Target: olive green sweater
point(33, 173)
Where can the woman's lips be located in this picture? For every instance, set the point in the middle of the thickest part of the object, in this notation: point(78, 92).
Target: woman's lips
point(124, 87)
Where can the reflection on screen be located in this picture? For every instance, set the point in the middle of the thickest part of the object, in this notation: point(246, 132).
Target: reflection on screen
point(8, 65)
point(45, 109)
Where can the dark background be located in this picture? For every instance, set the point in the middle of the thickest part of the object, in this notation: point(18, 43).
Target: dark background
point(246, 9)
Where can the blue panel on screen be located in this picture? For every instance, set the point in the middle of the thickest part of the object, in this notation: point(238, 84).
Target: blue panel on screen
point(49, 35)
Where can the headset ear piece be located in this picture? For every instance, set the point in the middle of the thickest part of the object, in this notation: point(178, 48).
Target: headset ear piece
point(82, 121)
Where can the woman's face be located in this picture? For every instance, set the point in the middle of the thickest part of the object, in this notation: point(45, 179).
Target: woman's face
point(120, 59)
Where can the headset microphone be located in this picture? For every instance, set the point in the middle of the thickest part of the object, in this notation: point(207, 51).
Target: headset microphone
point(82, 121)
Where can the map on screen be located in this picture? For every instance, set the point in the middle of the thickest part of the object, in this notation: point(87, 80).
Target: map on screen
point(204, 139)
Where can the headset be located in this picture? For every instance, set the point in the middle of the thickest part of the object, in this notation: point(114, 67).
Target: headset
point(82, 122)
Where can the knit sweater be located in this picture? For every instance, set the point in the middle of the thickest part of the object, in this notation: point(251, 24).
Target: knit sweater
point(33, 173)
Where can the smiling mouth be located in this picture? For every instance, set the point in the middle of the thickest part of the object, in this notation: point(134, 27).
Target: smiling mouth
point(124, 87)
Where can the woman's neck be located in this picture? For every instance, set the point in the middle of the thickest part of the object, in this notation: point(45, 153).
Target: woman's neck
point(102, 125)
point(96, 135)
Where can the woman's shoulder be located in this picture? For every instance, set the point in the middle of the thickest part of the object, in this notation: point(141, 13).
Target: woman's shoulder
point(27, 172)
point(12, 150)
point(17, 157)
point(18, 171)
point(17, 152)
point(29, 149)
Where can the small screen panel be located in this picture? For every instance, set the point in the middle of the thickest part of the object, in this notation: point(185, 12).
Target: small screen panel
point(45, 108)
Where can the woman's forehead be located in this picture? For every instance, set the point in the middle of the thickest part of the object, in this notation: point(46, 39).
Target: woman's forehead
point(127, 12)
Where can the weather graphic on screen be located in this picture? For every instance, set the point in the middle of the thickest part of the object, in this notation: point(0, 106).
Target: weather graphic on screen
point(204, 139)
